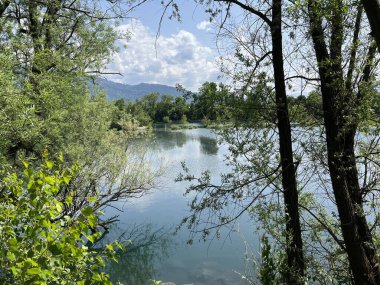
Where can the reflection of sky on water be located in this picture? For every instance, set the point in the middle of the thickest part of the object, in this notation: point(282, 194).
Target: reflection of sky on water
point(170, 148)
point(202, 263)
point(213, 262)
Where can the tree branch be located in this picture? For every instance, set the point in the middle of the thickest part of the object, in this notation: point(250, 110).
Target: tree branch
point(249, 9)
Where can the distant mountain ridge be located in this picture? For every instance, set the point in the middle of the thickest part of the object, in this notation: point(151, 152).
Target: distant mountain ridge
point(133, 92)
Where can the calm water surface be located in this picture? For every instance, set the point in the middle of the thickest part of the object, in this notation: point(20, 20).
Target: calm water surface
point(150, 221)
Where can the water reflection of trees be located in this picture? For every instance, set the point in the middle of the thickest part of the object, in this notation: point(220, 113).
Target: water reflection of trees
point(170, 139)
point(144, 246)
point(208, 145)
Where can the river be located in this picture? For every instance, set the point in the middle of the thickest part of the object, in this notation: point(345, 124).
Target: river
point(149, 222)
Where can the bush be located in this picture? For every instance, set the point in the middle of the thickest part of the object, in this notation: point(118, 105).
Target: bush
point(184, 119)
point(38, 243)
point(175, 127)
point(166, 120)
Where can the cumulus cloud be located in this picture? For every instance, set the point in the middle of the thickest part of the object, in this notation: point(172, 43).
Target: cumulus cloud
point(204, 26)
point(178, 58)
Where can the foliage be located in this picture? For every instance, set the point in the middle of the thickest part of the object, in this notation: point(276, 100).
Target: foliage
point(20, 126)
point(166, 119)
point(184, 119)
point(60, 115)
point(210, 102)
point(60, 37)
point(50, 217)
point(306, 110)
point(40, 245)
point(49, 50)
point(268, 269)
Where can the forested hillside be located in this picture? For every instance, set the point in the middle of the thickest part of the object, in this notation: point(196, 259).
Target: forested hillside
point(116, 91)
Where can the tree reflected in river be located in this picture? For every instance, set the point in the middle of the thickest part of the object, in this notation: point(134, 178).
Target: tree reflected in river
point(144, 246)
point(209, 145)
point(169, 139)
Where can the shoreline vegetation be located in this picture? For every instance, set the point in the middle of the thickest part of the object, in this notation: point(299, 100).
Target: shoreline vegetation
point(217, 107)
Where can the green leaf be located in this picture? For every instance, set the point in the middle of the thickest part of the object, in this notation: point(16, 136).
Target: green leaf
point(90, 238)
point(11, 256)
point(14, 270)
point(33, 271)
point(92, 199)
point(87, 211)
point(69, 200)
point(50, 180)
point(66, 179)
point(49, 164)
point(58, 207)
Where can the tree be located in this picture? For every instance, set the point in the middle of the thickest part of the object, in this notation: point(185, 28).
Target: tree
point(346, 97)
point(340, 109)
point(180, 108)
point(53, 45)
point(313, 104)
point(164, 108)
point(66, 36)
point(49, 49)
point(294, 247)
point(52, 217)
point(138, 113)
point(149, 103)
point(372, 8)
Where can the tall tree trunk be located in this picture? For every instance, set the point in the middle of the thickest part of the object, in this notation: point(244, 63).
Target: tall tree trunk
point(3, 6)
point(295, 259)
point(294, 247)
point(340, 134)
point(372, 9)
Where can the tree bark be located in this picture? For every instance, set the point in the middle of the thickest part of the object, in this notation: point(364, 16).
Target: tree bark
point(340, 134)
point(372, 9)
point(3, 6)
point(295, 270)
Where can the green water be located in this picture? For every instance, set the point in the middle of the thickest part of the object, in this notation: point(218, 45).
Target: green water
point(149, 221)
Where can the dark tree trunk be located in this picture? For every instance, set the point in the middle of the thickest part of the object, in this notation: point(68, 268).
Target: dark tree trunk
point(3, 6)
point(372, 9)
point(340, 133)
point(294, 251)
point(295, 259)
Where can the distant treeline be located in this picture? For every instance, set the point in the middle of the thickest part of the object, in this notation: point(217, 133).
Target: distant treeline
point(217, 103)
point(207, 104)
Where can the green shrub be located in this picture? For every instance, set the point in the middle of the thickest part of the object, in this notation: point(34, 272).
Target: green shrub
point(166, 120)
point(175, 127)
point(184, 119)
point(39, 244)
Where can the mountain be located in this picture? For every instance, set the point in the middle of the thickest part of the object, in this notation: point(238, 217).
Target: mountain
point(132, 92)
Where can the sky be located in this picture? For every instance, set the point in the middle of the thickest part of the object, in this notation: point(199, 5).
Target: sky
point(185, 52)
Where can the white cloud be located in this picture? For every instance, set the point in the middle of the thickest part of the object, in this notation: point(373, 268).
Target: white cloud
point(204, 26)
point(178, 58)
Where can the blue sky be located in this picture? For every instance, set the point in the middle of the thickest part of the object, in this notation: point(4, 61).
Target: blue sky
point(185, 52)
